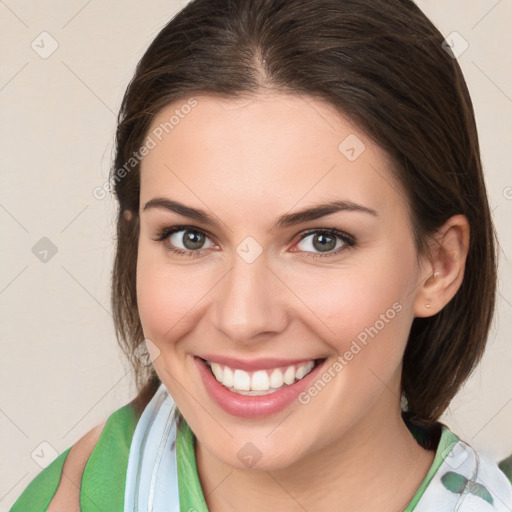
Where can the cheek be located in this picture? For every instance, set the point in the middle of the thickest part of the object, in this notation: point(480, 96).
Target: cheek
point(368, 305)
point(149, 293)
point(168, 296)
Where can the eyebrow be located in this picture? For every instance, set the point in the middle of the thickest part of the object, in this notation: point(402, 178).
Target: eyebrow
point(289, 219)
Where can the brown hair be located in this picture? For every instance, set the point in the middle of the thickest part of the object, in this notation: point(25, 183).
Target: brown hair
point(382, 64)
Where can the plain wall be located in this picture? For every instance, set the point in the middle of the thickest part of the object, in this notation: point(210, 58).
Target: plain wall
point(61, 369)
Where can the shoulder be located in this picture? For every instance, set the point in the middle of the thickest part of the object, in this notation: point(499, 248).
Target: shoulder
point(463, 478)
point(475, 475)
point(492, 483)
point(67, 496)
point(89, 472)
point(494, 473)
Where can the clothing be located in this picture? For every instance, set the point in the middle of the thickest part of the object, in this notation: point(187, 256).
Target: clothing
point(102, 487)
point(150, 461)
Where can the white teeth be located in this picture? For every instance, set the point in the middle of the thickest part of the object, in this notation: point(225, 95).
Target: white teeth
point(304, 370)
point(276, 379)
point(289, 375)
point(242, 380)
point(217, 371)
point(259, 382)
point(227, 378)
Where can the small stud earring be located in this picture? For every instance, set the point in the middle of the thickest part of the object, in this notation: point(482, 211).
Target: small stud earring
point(427, 305)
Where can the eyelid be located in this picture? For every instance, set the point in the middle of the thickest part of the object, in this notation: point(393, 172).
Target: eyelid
point(167, 231)
point(164, 233)
point(346, 237)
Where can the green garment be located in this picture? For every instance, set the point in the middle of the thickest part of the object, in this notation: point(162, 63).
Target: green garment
point(506, 466)
point(102, 488)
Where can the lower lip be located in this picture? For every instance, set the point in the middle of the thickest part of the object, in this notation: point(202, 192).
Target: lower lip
point(260, 406)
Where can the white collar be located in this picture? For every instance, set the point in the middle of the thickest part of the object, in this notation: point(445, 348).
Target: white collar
point(152, 475)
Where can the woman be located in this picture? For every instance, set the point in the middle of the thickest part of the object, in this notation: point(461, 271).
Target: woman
point(306, 248)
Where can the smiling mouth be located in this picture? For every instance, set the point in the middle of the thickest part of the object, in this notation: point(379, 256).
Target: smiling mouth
point(260, 382)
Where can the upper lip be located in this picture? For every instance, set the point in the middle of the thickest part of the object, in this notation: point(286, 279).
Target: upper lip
point(264, 363)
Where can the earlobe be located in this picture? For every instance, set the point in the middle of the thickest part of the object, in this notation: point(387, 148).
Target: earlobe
point(445, 267)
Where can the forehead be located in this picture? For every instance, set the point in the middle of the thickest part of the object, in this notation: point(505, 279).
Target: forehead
point(267, 149)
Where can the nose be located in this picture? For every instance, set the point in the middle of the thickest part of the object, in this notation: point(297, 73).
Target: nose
point(250, 302)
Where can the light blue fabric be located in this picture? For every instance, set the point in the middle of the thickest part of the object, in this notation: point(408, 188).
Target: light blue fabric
point(152, 476)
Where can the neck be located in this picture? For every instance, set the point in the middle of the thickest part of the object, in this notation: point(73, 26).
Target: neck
point(377, 465)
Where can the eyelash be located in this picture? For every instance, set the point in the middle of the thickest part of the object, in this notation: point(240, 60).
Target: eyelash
point(348, 240)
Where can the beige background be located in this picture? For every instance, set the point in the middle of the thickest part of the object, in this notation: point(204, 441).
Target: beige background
point(61, 370)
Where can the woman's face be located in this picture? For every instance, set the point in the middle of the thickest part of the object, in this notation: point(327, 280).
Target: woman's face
point(260, 288)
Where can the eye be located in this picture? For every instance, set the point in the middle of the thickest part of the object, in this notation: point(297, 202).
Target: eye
point(325, 241)
point(191, 239)
point(329, 242)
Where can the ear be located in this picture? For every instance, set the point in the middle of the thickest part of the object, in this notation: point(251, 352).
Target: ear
point(443, 271)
